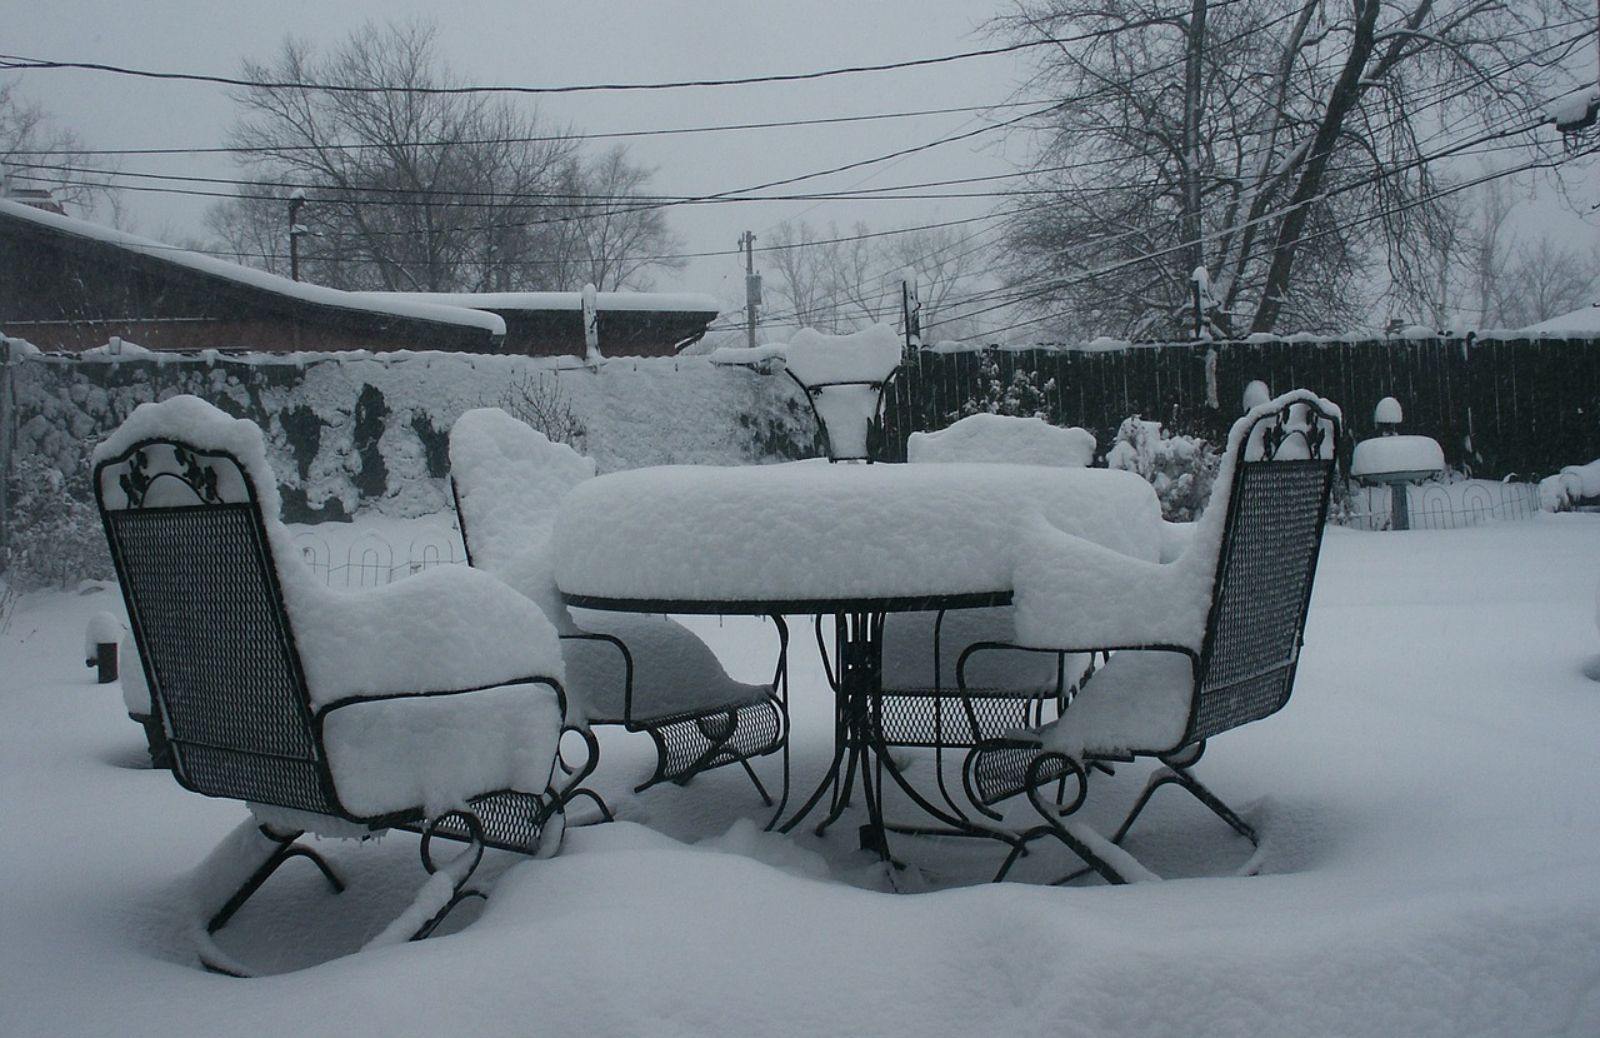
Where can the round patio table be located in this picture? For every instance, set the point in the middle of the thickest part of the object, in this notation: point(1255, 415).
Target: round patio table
point(853, 542)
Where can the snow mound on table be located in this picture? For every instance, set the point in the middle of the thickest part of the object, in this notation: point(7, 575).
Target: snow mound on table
point(1387, 454)
point(811, 530)
point(994, 437)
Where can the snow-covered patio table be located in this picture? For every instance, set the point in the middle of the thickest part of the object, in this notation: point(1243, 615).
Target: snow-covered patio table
point(850, 541)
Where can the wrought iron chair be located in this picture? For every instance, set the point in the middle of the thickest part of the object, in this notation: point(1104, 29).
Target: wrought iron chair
point(645, 673)
point(433, 704)
point(921, 706)
point(844, 379)
point(1195, 647)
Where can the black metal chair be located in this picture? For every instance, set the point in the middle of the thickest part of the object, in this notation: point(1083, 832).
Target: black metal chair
point(291, 697)
point(921, 706)
point(844, 379)
point(644, 673)
point(1193, 648)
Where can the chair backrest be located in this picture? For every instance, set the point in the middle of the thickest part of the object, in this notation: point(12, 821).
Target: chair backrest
point(1282, 476)
point(507, 479)
point(844, 378)
point(190, 548)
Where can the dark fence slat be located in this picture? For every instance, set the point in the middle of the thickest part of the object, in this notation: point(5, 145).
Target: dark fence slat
point(1497, 407)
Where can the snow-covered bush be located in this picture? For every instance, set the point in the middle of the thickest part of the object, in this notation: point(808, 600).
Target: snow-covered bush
point(1572, 484)
point(538, 401)
point(1023, 396)
point(1181, 468)
point(56, 538)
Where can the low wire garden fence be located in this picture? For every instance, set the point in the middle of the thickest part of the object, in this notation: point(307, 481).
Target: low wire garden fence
point(371, 560)
point(1441, 506)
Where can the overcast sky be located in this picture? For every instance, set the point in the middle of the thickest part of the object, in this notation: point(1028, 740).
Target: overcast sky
point(518, 42)
point(538, 43)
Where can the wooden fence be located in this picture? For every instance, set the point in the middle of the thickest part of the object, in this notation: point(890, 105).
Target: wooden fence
point(1499, 407)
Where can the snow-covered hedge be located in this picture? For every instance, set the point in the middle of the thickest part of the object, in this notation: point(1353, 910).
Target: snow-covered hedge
point(362, 431)
point(353, 431)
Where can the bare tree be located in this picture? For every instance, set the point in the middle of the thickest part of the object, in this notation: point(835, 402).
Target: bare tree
point(804, 289)
point(1289, 146)
point(839, 282)
point(35, 153)
point(1499, 270)
point(615, 233)
point(412, 189)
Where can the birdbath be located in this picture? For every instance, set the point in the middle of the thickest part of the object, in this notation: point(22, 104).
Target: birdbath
point(1396, 461)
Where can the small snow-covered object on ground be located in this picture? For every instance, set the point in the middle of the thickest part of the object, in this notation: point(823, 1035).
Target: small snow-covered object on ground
point(103, 628)
point(994, 437)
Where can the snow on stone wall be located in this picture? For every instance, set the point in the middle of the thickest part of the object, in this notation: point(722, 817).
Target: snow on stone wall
point(368, 431)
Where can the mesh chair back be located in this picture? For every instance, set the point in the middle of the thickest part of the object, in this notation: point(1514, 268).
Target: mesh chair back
point(1270, 545)
point(849, 415)
point(191, 553)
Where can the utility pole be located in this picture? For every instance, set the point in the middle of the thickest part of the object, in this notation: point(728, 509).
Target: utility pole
point(752, 287)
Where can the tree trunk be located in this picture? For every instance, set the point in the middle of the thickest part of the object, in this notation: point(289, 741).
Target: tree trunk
point(1343, 98)
point(1193, 253)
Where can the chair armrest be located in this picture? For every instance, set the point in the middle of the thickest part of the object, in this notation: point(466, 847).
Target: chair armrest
point(578, 715)
point(450, 627)
point(1073, 594)
point(436, 750)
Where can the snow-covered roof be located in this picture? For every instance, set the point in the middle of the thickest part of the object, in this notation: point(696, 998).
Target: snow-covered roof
point(397, 305)
point(684, 302)
point(1583, 321)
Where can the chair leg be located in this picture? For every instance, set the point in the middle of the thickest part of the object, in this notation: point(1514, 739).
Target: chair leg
point(445, 888)
point(1104, 857)
point(269, 849)
point(748, 770)
point(573, 788)
point(1175, 771)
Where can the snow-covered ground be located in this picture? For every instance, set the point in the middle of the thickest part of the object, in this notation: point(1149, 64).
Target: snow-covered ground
point(1431, 859)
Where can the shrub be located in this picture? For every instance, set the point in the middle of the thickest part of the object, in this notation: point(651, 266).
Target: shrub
point(55, 533)
point(543, 404)
point(1023, 396)
point(1181, 468)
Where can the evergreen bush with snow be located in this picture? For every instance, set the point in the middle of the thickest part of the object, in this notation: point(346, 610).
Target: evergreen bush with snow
point(1181, 468)
point(1021, 396)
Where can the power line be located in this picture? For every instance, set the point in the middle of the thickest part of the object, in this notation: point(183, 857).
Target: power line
point(19, 62)
point(533, 139)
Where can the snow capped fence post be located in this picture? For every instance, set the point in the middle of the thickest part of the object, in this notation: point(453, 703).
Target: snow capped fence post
point(591, 325)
